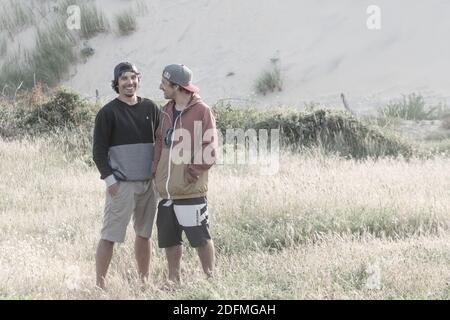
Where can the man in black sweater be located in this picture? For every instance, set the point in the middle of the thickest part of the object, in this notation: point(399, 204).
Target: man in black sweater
point(124, 137)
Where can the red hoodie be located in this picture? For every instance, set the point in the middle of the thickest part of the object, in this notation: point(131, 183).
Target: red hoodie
point(171, 178)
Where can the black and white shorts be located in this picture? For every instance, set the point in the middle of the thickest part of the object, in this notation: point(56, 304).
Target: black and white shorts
point(188, 215)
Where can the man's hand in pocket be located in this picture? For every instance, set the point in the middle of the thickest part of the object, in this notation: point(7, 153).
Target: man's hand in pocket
point(191, 174)
point(113, 189)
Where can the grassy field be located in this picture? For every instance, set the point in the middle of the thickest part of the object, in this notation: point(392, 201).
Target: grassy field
point(323, 227)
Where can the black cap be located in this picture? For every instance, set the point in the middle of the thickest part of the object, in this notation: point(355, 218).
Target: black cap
point(124, 67)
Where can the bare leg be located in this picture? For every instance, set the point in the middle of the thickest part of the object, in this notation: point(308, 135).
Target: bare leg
point(206, 255)
point(142, 254)
point(102, 260)
point(173, 255)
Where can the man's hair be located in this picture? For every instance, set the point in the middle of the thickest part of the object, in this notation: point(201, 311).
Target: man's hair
point(180, 88)
point(115, 83)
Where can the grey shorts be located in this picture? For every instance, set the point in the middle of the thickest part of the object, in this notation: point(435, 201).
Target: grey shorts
point(134, 198)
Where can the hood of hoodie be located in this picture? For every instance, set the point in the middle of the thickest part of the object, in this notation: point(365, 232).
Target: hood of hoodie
point(168, 108)
point(194, 112)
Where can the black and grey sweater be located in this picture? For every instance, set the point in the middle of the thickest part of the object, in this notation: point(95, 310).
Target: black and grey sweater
point(124, 137)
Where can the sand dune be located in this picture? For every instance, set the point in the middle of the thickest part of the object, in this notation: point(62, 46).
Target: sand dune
point(323, 48)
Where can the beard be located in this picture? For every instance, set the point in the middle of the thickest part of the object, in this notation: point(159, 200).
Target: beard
point(129, 92)
point(167, 96)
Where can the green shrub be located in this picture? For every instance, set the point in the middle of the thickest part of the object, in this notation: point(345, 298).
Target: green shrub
point(269, 81)
point(441, 111)
point(66, 109)
point(126, 23)
point(412, 107)
point(16, 72)
point(54, 51)
point(33, 113)
point(334, 131)
point(93, 21)
point(63, 116)
point(47, 63)
point(15, 17)
point(53, 54)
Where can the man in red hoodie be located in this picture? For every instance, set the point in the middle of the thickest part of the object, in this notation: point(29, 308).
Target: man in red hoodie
point(185, 150)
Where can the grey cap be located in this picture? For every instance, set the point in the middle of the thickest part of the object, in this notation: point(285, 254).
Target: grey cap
point(124, 67)
point(180, 75)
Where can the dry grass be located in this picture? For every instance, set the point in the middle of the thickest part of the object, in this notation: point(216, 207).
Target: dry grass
point(15, 16)
point(322, 227)
point(126, 23)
